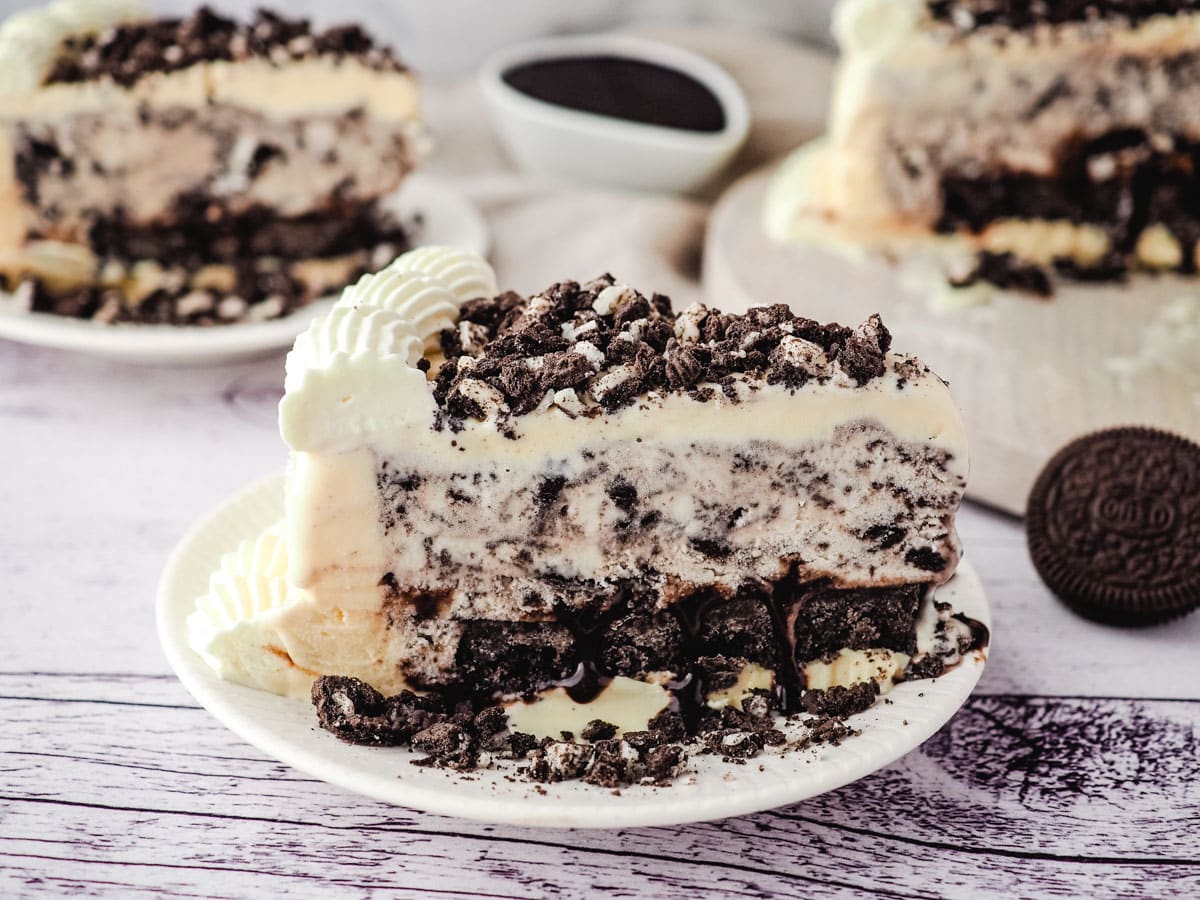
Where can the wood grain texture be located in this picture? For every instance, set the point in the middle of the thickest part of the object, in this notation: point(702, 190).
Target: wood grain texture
point(1093, 795)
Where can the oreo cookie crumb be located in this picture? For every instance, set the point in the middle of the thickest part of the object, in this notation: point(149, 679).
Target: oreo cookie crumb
point(825, 730)
point(735, 745)
point(664, 763)
point(130, 51)
point(598, 730)
point(448, 745)
point(614, 763)
point(596, 347)
point(358, 714)
point(560, 761)
point(841, 701)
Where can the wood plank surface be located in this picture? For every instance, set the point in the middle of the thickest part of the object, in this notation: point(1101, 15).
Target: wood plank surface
point(120, 784)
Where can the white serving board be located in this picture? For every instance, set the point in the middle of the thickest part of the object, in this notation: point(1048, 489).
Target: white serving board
point(1028, 374)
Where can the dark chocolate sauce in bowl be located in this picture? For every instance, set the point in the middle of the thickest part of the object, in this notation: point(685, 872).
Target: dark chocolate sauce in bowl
point(621, 87)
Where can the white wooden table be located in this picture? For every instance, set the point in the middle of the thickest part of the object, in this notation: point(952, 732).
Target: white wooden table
point(1074, 771)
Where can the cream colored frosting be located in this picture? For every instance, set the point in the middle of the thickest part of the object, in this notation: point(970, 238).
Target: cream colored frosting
point(315, 86)
point(850, 667)
point(428, 304)
point(753, 677)
point(625, 702)
point(353, 376)
point(467, 275)
point(234, 626)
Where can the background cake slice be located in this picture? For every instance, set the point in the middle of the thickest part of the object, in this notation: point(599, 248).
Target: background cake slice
point(1043, 138)
point(197, 170)
point(585, 506)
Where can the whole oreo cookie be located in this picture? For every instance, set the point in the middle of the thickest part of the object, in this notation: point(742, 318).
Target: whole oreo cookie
point(1113, 525)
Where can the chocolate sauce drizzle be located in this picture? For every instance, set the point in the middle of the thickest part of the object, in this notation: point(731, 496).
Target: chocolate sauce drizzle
point(705, 638)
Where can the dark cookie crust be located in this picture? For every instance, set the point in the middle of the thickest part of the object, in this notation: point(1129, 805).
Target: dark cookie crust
point(1113, 526)
point(203, 237)
point(129, 52)
point(637, 336)
point(841, 701)
point(1121, 182)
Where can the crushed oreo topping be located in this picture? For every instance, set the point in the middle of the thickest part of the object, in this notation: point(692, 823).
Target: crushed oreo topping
point(841, 701)
point(598, 730)
point(593, 348)
point(967, 16)
point(131, 51)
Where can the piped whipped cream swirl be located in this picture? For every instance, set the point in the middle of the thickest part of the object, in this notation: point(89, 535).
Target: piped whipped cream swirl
point(356, 369)
point(230, 628)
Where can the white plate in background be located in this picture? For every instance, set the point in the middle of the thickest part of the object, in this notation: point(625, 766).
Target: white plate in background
point(447, 217)
point(286, 729)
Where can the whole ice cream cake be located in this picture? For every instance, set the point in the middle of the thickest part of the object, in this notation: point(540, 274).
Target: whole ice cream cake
point(197, 170)
point(585, 507)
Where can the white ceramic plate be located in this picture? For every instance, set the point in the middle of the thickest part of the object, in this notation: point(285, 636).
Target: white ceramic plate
point(447, 218)
point(286, 729)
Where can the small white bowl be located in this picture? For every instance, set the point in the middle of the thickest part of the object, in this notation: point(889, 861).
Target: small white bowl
point(545, 137)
